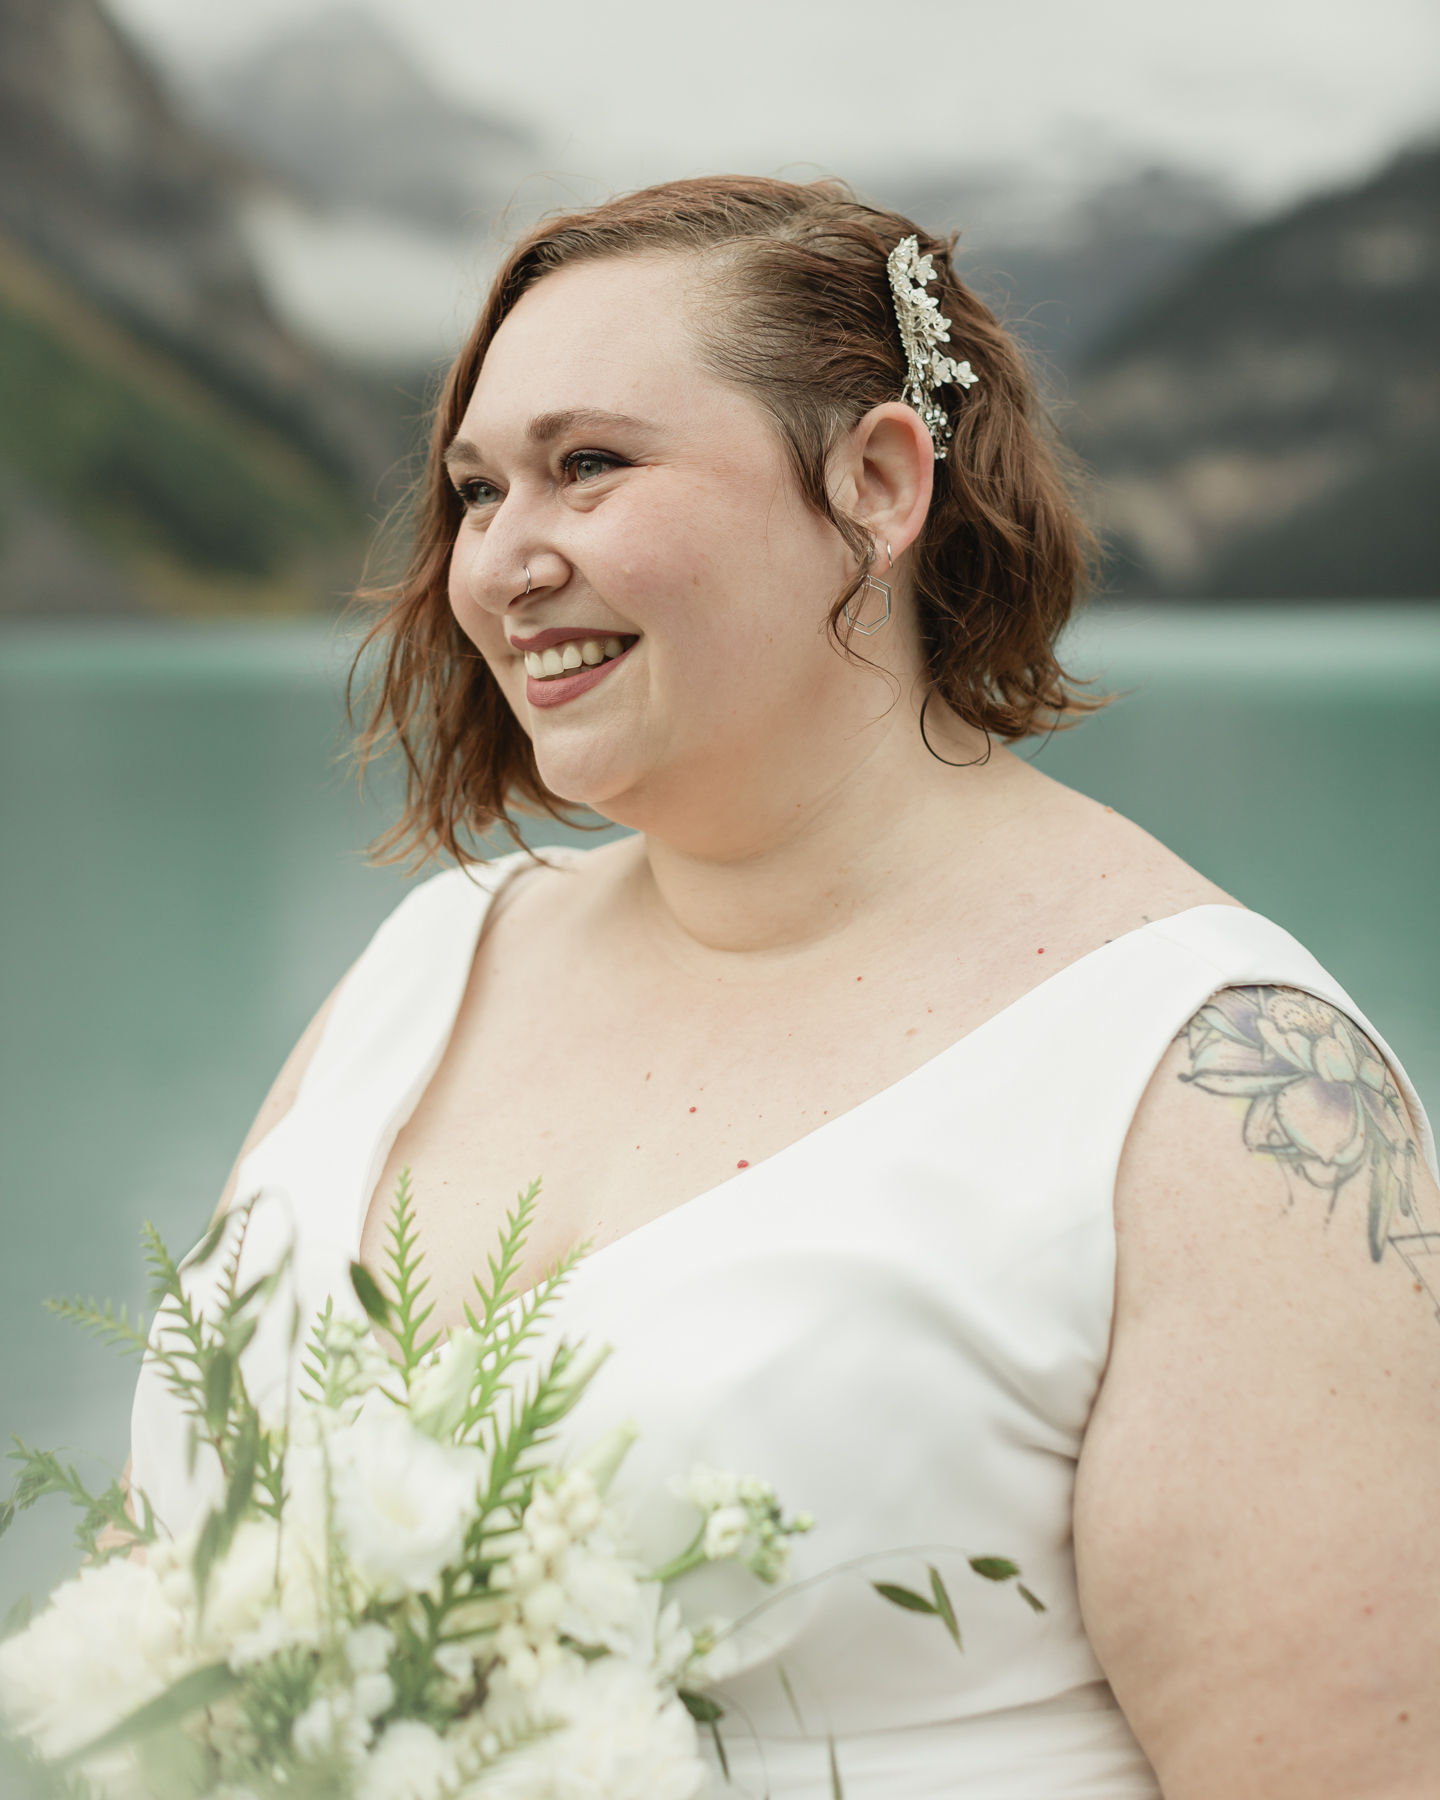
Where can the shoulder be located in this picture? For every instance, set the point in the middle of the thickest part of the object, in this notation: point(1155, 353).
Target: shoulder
point(1273, 1390)
point(1100, 873)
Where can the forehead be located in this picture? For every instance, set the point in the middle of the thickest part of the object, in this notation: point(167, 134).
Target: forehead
point(614, 335)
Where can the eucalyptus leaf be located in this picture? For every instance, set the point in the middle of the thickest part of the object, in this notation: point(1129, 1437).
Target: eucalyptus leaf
point(17, 1618)
point(943, 1606)
point(1033, 1601)
point(903, 1596)
point(367, 1292)
point(701, 1707)
point(218, 1378)
point(995, 1568)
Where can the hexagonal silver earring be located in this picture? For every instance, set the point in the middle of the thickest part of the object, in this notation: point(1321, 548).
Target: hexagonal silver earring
point(868, 628)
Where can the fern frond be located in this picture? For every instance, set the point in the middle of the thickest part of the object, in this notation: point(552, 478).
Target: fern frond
point(404, 1261)
point(512, 1331)
point(533, 1418)
point(115, 1330)
point(495, 1298)
point(43, 1473)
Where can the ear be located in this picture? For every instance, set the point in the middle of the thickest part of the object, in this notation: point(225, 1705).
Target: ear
point(883, 474)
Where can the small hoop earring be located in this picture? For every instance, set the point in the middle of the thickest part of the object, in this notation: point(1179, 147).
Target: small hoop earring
point(526, 568)
point(868, 628)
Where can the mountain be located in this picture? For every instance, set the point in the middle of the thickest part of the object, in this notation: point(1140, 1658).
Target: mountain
point(337, 107)
point(163, 438)
point(389, 199)
point(1270, 427)
point(1065, 257)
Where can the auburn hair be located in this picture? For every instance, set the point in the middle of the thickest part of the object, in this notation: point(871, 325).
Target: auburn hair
point(798, 312)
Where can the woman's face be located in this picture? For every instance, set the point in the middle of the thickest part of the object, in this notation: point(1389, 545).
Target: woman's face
point(655, 511)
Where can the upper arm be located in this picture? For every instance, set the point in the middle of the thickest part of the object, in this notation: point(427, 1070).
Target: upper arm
point(282, 1094)
point(1255, 1512)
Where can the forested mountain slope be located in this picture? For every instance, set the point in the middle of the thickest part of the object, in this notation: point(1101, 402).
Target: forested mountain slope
point(1270, 428)
point(163, 440)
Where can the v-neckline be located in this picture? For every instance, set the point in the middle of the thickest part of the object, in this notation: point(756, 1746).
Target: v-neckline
point(881, 1095)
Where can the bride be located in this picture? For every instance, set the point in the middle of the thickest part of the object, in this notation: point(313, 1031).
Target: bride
point(949, 1151)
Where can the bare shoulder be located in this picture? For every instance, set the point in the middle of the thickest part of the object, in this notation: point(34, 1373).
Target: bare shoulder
point(1254, 1515)
point(1104, 873)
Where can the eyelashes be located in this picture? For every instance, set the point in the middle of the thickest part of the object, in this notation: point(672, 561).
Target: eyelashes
point(475, 493)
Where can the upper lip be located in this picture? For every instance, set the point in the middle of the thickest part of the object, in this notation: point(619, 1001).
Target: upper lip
point(564, 634)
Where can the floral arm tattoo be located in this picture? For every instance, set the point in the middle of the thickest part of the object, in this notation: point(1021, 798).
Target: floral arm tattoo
point(1322, 1104)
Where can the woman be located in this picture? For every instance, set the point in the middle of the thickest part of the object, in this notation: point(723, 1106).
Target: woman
point(857, 1063)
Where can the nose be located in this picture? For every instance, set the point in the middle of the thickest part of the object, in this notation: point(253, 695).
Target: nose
point(499, 571)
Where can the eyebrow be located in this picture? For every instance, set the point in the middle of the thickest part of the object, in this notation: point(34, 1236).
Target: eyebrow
point(544, 428)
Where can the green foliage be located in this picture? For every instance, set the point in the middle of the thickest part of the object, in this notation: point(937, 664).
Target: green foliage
point(116, 1330)
point(939, 1604)
point(149, 460)
point(199, 1689)
point(994, 1568)
point(43, 1473)
point(407, 1317)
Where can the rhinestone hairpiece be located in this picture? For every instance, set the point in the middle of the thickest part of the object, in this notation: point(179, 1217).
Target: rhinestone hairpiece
point(922, 327)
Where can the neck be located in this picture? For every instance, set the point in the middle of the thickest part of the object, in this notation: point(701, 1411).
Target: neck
point(811, 859)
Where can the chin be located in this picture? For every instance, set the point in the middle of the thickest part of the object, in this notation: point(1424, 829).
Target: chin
point(592, 781)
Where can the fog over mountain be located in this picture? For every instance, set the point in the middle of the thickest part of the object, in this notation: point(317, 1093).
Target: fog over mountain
point(224, 294)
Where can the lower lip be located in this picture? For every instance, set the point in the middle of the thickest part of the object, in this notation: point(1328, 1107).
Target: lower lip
point(561, 688)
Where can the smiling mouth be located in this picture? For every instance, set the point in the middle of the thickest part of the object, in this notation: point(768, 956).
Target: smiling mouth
point(560, 660)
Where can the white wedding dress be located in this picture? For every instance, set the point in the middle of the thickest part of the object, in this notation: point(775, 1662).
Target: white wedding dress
point(901, 1321)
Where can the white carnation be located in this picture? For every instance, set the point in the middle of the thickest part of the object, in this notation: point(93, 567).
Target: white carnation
point(108, 1642)
point(402, 1501)
point(411, 1762)
point(622, 1737)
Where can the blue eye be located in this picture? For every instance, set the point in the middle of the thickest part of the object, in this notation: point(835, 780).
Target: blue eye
point(585, 465)
point(477, 493)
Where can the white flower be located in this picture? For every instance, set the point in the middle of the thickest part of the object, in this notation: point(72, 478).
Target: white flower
point(108, 1642)
point(441, 1390)
point(402, 1501)
point(623, 1737)
point(725, 1532)
point(331, 1722)
point(411, 1762)
point(707, 1488)
point(247, 1618)
point(368, 1647)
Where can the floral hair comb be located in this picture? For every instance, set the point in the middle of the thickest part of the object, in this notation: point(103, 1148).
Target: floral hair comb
point(922, 328)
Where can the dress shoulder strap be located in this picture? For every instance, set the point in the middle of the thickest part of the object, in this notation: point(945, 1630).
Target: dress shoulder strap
point(1245, 949)
point(311, 1178)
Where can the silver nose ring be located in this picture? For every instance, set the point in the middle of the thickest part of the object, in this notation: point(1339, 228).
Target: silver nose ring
point(526, 568)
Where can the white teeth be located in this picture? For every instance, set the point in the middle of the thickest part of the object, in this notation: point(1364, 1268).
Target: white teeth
point(564, 659)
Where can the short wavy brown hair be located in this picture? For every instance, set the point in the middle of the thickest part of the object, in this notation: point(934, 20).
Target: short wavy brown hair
point(800, 315)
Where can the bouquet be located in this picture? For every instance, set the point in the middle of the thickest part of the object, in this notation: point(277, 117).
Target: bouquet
point(402, 1595)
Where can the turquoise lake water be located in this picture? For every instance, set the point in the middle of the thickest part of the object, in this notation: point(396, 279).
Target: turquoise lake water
point(183, 881)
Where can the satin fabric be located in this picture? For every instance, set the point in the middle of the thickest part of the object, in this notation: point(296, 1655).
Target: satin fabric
point(901, 1320)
